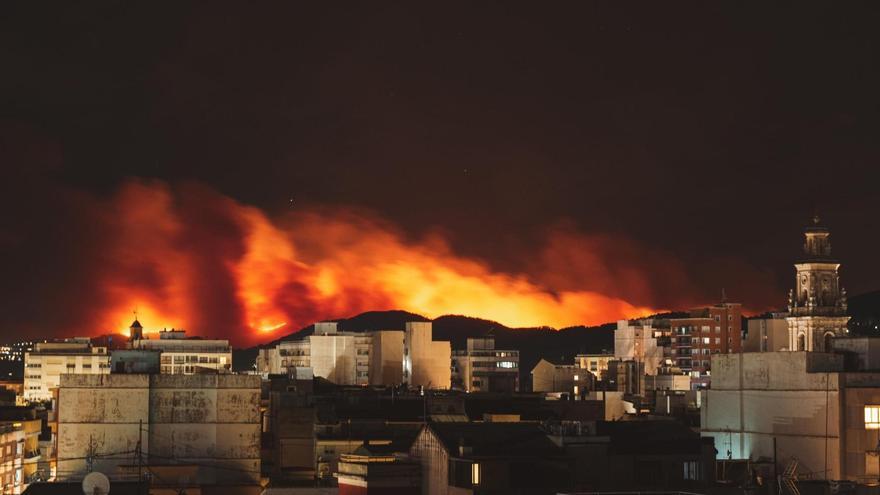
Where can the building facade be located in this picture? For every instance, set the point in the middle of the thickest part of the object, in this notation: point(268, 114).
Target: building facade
point(208, 420)
point(596, 364)
point(482, 368)
point(44, 365)
point(709, 330)
point(767, 334)
point(638, 341)
point(426, 362)
point(817, 305)
point(344, 358)
point(179, 355)
point(12, 442)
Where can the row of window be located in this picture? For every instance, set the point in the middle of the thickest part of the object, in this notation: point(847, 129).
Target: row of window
point(190, 359)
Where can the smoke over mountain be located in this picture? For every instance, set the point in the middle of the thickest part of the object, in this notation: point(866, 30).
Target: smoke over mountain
point(185, 255)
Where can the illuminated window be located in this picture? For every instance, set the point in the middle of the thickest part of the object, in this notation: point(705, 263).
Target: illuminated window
point(475, 473)
point(575, 390)
point(872, 417)
point(576, 377)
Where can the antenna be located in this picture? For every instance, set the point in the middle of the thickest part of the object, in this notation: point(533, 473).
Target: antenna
point(96, 484)
point(723, 295)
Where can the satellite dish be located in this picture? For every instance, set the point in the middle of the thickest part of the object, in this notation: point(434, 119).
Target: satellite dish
point(96, 484)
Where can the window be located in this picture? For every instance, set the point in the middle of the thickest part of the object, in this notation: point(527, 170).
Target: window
point(475, 473)
point(706, 340)
point(691, 470)
point(717, 318)
point(576, 377)
point(717, 340)
point(872, 417)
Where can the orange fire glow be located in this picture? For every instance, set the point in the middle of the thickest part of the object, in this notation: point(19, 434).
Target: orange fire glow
point(202, 261)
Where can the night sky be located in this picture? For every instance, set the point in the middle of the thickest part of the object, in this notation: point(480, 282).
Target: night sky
point(702, 136)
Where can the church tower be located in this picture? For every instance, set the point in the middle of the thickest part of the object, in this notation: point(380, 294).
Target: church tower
point(817, 304)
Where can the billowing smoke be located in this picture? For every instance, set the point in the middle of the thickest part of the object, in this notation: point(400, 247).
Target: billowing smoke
point(187, 256)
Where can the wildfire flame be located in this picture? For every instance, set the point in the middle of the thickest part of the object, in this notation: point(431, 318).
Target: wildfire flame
point(196, 259)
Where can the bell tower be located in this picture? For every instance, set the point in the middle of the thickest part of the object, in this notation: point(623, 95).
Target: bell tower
point(817, 304)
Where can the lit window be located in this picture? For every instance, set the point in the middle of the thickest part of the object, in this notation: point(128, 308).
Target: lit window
point(576, 377)
point(475, 473)
point(872, 417)
point(575, 390)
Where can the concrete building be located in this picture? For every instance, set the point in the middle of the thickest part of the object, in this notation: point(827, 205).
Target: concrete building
point(426, 363)
point(824, 408)
point(210, 421)
point(767, 334)
point(817, 305)
point(44, 365)
point(386, 358)
point(179, 355)
point(709, 330)
point(344, 358)
point(596, 364)
point(482, 368)
point(637, 341)
point(548, 376)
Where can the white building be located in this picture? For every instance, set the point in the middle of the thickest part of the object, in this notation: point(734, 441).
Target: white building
point(44, 365)
point(426, 363)
point(482, 368)
point(637, 341)
point(361, 358)
point(179, 355)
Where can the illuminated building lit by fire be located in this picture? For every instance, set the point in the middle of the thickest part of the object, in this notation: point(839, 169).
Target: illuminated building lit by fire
point(482, 368)
point(182, 355)
point(384, 357)
point(44, 365)
point(715, 329)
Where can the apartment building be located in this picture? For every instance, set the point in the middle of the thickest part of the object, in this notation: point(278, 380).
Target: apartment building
point(483, 368)
point(182, 355)
point(44, 365)
point(641, 341)
point(709, 330)
point(360, 358)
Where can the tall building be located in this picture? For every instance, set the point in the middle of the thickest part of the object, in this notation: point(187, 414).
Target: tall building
point(180, 355)
point(426, 363)
point(344, 358)
point(44, 365)
point(637, 341)
point(817, 305)
point(482, 368)
point(710, 330)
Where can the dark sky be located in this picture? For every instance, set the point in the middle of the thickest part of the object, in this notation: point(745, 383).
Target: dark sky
point(709, 131)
